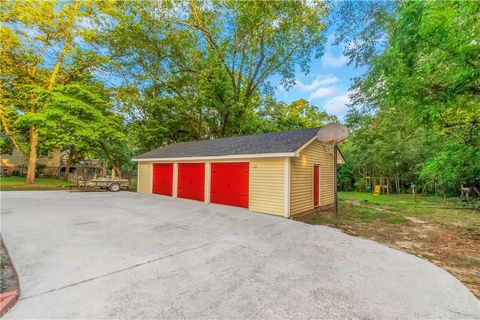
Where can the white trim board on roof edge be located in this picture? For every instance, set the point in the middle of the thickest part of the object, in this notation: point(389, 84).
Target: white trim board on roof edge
point(297, 152)
point(230, 156)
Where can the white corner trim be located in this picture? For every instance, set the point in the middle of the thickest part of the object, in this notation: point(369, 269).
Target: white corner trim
point(175, 180)
point(286, 188)
point(207, 182)
point(238, 156)
point(150, 180)
point(297, 152)
point(138, 176)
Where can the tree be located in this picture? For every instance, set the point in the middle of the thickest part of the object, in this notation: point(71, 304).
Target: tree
point(426, 79)
point(363, 28)
point(80, 120)
point(45, 47)
point(279, 116)
point(207, 64)
point(256, 40)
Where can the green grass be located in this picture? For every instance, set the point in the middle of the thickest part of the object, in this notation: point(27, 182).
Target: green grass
point(432, 209)
point(18, 183)
point(471, 262)
point(133, 183)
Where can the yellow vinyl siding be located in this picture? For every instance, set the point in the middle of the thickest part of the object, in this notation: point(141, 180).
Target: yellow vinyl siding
point(267, 180)
point(301, 183)
point(144, 177)
point(267, 185)
point(326, 177)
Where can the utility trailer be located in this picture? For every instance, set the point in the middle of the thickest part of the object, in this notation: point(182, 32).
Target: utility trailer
point(113, 185)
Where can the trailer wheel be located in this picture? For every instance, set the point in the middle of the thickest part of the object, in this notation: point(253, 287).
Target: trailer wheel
point(114, 187)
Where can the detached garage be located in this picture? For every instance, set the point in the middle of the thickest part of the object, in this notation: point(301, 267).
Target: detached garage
point(281, 173)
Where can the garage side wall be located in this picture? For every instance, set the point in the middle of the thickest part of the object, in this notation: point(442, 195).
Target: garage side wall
point(301, 178)
point(267, 185)
point(144, 177)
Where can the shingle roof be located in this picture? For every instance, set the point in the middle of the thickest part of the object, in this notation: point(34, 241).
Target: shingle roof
point(275, 142)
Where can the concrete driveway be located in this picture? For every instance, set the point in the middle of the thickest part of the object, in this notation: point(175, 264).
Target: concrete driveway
point(128, 255)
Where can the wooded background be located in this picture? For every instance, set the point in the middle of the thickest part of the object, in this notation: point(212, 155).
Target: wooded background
point(111, 79)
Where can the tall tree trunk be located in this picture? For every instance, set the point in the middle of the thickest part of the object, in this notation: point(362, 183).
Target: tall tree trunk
point(32, 159)
point(103, 170)
point(116, 169)
point(224, 125)
point(66, 47)
point(68, 165)
point(397, 183)
point(115, 165)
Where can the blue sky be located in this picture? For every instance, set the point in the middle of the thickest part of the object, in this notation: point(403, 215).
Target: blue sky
point(327, 84)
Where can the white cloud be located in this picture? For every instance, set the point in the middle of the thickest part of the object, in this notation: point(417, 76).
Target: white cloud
point(323, 92)
point(337, 105)
point(319, 81)
point(329, 60)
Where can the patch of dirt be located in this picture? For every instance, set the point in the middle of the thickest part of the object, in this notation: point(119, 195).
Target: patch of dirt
point(446, 248)
point(415, 220)
point(406, 244)
point(353, 202)
point(357, 203)
point(455, 248)
point(8, 275)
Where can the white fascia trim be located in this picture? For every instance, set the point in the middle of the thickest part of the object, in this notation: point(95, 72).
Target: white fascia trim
point(297, 152)
point(238, 156)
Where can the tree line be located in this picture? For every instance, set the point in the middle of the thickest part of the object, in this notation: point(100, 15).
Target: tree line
point(111, 79)
point(415, 113)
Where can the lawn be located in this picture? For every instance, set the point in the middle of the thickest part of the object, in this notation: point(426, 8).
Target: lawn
point(18, 183)
point(133, 183)
point(446, 232)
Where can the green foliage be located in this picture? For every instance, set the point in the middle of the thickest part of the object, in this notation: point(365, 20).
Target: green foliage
point(49, 97)
point(112, 79)
point(198, 70)
point(79, 117)
point(417, 110)
point(279, 116)
point(454, 163)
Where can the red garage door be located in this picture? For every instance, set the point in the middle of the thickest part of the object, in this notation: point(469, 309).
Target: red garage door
point(229, 183)
point(162, 178)
point(191, 181)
